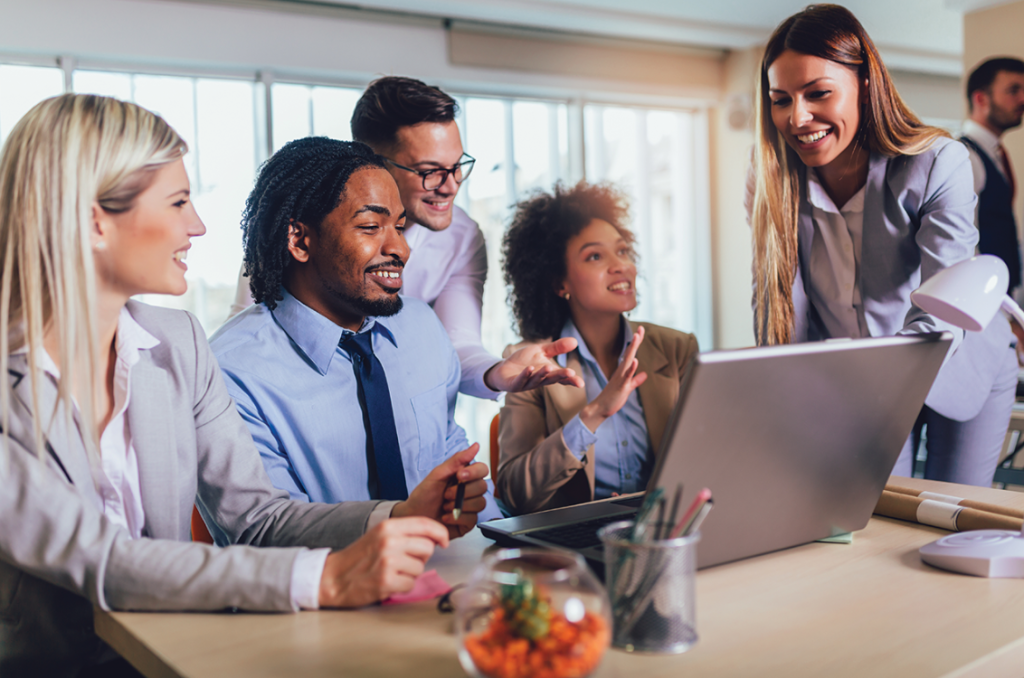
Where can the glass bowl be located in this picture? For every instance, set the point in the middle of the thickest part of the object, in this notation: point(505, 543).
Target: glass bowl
point(532, 613)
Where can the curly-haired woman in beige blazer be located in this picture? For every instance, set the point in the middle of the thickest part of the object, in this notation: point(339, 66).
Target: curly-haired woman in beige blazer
point(569, 260)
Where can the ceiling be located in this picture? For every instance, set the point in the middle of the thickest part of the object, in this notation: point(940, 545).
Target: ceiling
point(919, 35)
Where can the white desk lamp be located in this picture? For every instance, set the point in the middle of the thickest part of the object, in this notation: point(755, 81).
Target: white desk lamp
point(968, 295)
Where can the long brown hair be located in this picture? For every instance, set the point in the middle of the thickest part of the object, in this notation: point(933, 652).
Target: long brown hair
point(887, 126)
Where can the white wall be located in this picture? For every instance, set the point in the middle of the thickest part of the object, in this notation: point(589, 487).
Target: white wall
point(328, 44)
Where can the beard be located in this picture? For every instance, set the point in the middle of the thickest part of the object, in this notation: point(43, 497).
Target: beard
point(364, 305)
point(1003, 118)
point(381, 308)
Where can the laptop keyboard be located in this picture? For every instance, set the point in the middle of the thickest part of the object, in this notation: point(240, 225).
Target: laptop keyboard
point(577, 535)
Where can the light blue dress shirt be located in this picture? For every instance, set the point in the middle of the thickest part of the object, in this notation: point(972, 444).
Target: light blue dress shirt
point(623, 460)
point(296, 389)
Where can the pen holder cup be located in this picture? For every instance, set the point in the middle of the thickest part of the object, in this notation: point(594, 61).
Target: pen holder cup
point(532, 612)
point(652, 590)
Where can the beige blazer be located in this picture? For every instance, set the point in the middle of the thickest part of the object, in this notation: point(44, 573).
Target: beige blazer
point(536, 471)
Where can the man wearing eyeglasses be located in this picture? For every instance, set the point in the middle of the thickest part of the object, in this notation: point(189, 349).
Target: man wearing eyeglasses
point(412, 125)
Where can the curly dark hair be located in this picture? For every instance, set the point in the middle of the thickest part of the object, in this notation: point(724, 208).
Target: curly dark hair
point(533, 250)
point(392, 102)
point(304, 182)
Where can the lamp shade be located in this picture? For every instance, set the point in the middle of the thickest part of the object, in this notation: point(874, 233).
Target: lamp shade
point(967, 294)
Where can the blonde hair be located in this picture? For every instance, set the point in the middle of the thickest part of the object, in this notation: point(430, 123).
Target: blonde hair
point(64, 156)
point(888, 127)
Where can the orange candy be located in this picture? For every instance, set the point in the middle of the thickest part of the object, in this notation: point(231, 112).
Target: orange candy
point(568, 651)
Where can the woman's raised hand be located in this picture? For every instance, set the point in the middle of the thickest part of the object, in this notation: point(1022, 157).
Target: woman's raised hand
point(623, 381)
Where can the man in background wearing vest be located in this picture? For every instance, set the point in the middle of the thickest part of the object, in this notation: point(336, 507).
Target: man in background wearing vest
point(995, 99)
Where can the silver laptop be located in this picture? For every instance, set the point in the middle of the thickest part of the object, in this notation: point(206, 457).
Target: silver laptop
point(795, 442)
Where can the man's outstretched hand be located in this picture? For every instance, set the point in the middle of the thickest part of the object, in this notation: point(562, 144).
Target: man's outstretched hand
point(532, 367)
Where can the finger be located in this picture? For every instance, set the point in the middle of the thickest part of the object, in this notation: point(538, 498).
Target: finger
point(418, 548)
point(403, 567)
point(476, 488)
point(519, 382)
point(472, 472)
point(623, 373)
point(639, 379)
point(558, 347)
point(455, 463)
point(634, 346)
point(474, 505)
point(561, 376)
point(538, 376)
point(418, 526)
point(395, 582)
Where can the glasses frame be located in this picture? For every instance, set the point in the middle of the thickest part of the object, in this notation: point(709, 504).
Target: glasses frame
point(466, 159)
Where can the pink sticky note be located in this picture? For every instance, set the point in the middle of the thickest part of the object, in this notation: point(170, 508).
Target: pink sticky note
point(428, 585)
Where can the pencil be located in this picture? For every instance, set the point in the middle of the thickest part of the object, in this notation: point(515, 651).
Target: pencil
point(460, 496)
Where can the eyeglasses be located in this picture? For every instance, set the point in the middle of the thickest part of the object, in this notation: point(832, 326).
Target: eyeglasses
point(435, 178)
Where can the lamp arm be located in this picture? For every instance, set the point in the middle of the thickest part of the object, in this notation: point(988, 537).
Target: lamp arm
point(1010, 308)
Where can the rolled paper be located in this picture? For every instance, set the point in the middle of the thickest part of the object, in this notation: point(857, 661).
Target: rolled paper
point(959, 501)
point(947, 516)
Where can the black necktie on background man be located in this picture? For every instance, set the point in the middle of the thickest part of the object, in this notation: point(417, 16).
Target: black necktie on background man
point(378, 412)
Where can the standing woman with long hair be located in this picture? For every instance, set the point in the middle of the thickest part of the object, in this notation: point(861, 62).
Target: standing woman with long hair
point(853, 203)
point(116, 419)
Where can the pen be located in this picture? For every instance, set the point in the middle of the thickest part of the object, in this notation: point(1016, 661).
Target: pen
point(699, 518)
point(659, 526)
point(460, 496)
point(675, 509)
point(702, 497)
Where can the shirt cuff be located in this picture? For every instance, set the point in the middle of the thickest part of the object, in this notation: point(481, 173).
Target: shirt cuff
point(307, 571)
point(482, 390)
point(577, 437)
point(380, 513)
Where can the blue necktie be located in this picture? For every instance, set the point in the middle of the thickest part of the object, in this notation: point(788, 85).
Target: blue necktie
point(376, 401)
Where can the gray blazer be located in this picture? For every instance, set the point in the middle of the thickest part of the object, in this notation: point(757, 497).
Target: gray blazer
point(59, 555)
point(918, 219)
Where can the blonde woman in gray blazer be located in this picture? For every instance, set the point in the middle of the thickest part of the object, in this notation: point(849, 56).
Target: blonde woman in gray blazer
point(116, 419)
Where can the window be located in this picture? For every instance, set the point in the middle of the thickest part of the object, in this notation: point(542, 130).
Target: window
point(216, 118)
point(303, 110)
point(21, 88)
point(659, 157)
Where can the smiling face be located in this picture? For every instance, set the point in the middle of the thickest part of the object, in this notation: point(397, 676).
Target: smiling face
point(816, 106)
point(426, 146)
point(600, 272)
point(351, 266)
point(142, 250)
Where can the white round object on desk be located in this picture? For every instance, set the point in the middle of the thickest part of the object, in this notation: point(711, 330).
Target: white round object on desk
point(983, 553)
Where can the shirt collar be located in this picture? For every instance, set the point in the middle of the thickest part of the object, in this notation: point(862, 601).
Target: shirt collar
point(818, 197)
point(314, 335)
point(132, 338)
point(984, 137)
point(569, 330)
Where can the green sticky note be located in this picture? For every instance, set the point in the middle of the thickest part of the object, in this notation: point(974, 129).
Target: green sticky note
point(844, 538)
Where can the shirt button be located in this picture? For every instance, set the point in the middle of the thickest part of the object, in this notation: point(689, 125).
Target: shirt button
point(629, 476)
point(625, 442)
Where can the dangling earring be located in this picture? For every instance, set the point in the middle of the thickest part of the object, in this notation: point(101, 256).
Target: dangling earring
point(567, 296)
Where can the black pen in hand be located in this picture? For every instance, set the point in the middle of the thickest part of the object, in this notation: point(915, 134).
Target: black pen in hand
point(460, 496)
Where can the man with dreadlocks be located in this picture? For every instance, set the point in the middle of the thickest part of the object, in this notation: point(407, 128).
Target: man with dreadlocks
point(413, 126)
point(347, 388)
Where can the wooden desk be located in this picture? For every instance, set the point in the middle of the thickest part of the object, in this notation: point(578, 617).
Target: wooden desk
point(867, 609)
